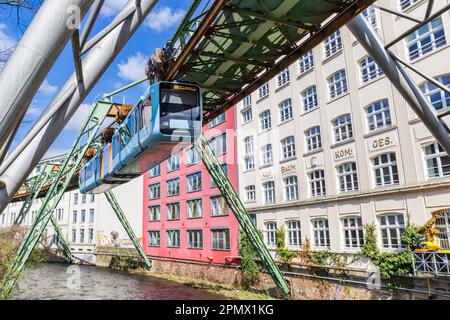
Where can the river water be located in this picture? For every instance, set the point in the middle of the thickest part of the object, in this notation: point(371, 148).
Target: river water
point(61, 281)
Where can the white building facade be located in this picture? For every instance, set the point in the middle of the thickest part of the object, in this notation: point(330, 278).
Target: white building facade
point(329, 145)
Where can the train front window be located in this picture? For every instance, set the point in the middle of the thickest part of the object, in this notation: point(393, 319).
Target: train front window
point(179, 108)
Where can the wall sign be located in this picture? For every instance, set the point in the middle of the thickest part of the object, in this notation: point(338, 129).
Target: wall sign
point(343, 153)
point(289, 168)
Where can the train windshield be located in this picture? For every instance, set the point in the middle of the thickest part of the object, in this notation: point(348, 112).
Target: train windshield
point(179, 107)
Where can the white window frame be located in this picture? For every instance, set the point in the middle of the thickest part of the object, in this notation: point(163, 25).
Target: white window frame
point(406, 4)
point(337, 84)
point(263, 91)
point(414, 39)
point(348, 177)
point(353, 232)
point(220, 239)
point(378, 115)
point(291, 188)
point(313, 139)
point(333, 44)
point(247, 115)
point(343, 128)
point(437, 157)
point(317, 184)
point(154, 191)
point(173, 187)
point(195, 239)
point(247, 101)
point(270, 233)
point(266, 120)
point(306, 62)
point(283, 78)
point(194, 182)
point(286, 110)
point(431, 91)
point(267, 155)
point(173, 211)
point(219, 207)
point(321, 233)
point(195, 209)
point(154, 213)
point(250, 193)
point(386, 178)
point(293, 233)
point(397, 226)
point(443, 227)
point(369, 70)
point(370, 14)
point(173, 163)
point(154, 238)
point(288, 147)
point(269, 192)
point(309, 97)
point(172, 240)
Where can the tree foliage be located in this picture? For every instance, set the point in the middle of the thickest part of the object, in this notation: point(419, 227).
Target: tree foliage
point(250, 268)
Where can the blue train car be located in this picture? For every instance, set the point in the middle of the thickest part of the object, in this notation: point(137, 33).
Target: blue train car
point(167, 120)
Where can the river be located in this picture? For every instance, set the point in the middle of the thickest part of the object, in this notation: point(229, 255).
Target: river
point(61, 282)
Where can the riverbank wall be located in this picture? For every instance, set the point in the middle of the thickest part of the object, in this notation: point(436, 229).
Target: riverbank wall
point(305, 285)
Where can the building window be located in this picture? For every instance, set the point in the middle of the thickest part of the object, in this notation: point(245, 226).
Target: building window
point(90, 235)
point(173, 238)
point(369, 69)
point(220, 239)
point(192, 156)
point(75, 198)
point(321, 233)
point(438, 161)
point(306, 62)
point(310, 98)
point(333, 44)
point(219, 207)
point(154, 191)
point(337, 84)
point(92, 197)
point(219, 144)
point(219, 119)
point(392, 226)
point(291, 188)
point(81, 235)
point(74, 235)
point(249, 157)
point(317, 183)
point(91, 215)
point(443, 227)
point(379, 115)
point(247, 115)
point(60, 214)
point(155, 171)
point(195, 239)
point(285, 110)
point(173, 163)
point(370, 15)
point(194, 208)
point(313, 138)
point(247, 101)
point(348, 177)
point(426, 39)
point(83, 216)
point(288, 147)
point(293, 235)
point(269, 191)
point(267, 155)
point(173, 187)
point(250, 193)
point(74, 216)
point(194, 182)
point(405, 4)
point(266, 121)
point(385, 169)
point(283, 78)
point(342, 127)
point(154, 213)
point(270, 233)
point(263, 91)
point(154, 238)
point(438, 98)
point(83, 198)
point(353, 233)
point(173, 211)
point(225, 169)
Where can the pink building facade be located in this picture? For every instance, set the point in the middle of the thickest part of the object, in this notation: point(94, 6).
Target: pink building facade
point(184, 215)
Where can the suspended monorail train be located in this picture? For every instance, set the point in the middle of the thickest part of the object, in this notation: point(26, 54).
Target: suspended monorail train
point(167, 120)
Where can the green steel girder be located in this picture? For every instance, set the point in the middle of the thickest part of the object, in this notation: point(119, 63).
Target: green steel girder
point(68, 168)
point(227, 190)
point(126, 225)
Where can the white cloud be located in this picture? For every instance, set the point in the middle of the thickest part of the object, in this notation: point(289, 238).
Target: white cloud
point(164, 18)
point(134, 68)
point(111, 7)
point(79, 117)
point(7, 43)
point(47, 88)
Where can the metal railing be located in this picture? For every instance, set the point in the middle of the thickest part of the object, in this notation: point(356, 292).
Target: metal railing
point(437, 263)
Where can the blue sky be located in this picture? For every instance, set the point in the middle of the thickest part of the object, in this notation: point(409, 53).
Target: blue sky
point(127, 67)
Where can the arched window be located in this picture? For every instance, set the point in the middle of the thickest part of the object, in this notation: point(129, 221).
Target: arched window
point(378, 115)
point(438, 98)
point(313, 138)
point(385, 169)
point(437, 160)
point(348, 177)
point(342, 127)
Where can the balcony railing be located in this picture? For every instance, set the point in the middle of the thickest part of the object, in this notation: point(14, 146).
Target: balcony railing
point(437, 263)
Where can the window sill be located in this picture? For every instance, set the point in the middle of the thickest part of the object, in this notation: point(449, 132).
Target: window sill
point(154, 246)
point(310, 153)
point(409, 9)
point(304, 73)
point(200, 248)
point(378, 131)
point(264, 130)
point(341, 143)
point(428, 54)
point(286, 121)
point(175, 219)
point(309, 111)
point(194, 218)
point(369, 82)
point(262, 98)
point(250, 202)
point(282, 86)
point(173, 247)
point(342, 95)
point(333, 55)
point(247, 171)
point(266, 166)
point(220, 215)
point(220, 249)
point(288, 159)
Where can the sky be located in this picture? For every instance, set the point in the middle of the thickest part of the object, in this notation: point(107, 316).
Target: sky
point(128, 66)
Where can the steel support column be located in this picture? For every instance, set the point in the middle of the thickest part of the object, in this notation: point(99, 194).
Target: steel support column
point(126, 225)
point(32, 59)
point(227, 190)
point(69, 99)
point(398, 76)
